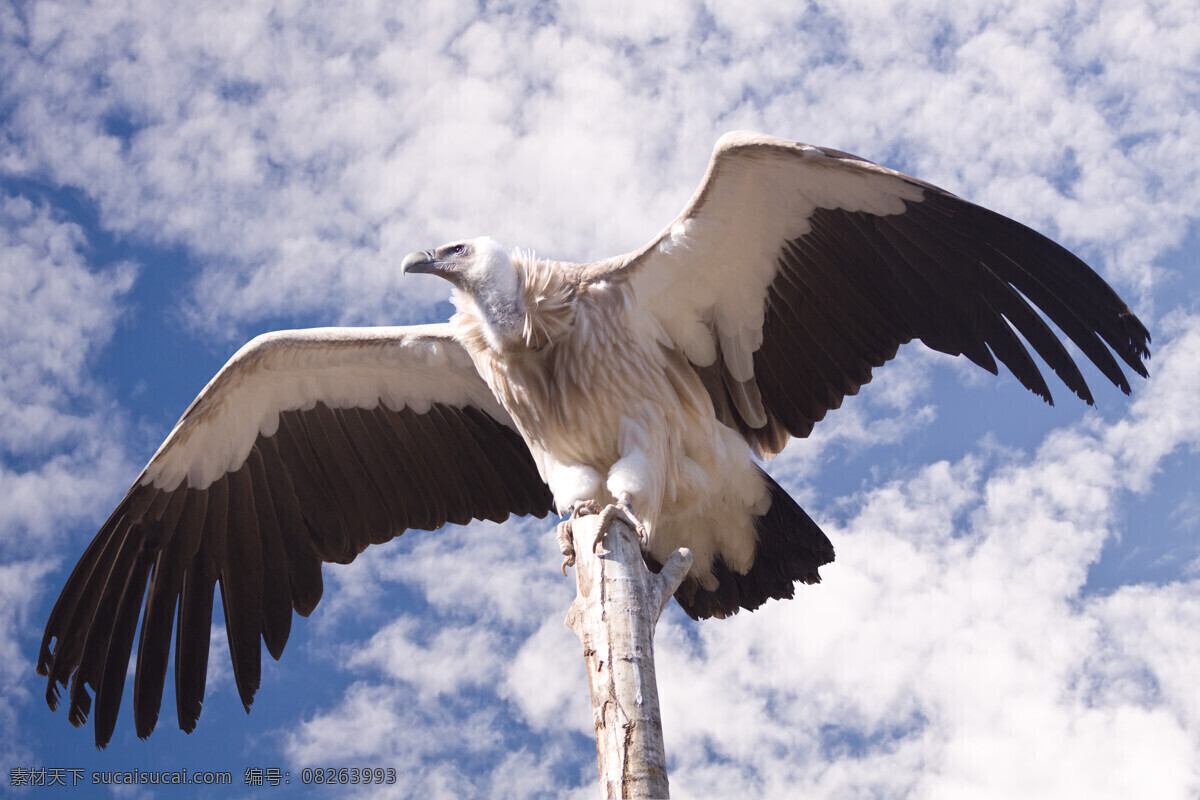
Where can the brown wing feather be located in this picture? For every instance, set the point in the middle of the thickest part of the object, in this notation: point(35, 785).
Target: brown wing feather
point(850, 293)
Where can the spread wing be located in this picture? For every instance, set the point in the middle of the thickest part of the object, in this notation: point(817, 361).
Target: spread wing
point(306, 447)
point(795, 270)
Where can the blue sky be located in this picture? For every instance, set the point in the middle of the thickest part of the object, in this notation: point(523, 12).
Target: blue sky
point(1015, 609)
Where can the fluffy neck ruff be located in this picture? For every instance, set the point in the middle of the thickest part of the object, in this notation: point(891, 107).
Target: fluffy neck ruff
point(530, 315)
point(549, 300)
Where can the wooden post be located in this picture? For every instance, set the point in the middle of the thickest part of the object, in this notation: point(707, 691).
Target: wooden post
point(614, 615)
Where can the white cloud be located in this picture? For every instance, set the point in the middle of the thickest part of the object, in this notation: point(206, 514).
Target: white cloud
point(55, 314)
point(56, 310)
point(66, 488)
point(299, 159)
point(428, 744)
point(544, 678)
point(16, 602)
point(1151, 646)
point(453, 658)
point(628, 21)
point(59, 435)
point(467, 570)
point(1163, 419)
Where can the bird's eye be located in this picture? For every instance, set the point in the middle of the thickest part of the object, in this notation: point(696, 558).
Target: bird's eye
point(459, 249)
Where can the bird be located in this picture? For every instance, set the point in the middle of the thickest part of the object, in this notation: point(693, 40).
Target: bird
point(651, 386)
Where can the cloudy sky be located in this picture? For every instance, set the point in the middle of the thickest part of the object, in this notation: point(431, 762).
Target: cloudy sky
point(1015, 608)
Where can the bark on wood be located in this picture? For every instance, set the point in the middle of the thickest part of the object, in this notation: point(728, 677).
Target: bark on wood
point(614, 615)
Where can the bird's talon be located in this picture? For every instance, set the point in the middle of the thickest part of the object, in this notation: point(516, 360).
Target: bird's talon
point(585, 508)
point(620, 510)
point(565, 545)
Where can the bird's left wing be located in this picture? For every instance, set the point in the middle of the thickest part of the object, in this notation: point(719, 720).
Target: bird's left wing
point(795, 270)
point(306, 447)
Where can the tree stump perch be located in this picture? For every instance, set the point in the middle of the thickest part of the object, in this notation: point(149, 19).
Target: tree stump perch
point(614, 614)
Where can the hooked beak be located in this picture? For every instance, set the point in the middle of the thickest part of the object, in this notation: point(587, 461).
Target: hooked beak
point(420, 262)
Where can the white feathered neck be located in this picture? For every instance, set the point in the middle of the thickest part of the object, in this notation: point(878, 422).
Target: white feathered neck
point(539, 310)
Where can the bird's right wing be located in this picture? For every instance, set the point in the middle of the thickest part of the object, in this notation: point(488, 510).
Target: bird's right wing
point(306, 447)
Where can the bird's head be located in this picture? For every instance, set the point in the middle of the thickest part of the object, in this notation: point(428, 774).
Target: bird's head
point(476, 266)
point(483, 274)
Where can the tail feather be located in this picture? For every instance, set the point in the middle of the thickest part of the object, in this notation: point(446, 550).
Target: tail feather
point(790, 548)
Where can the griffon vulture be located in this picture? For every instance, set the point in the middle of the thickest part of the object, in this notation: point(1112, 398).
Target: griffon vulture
point(649, 380)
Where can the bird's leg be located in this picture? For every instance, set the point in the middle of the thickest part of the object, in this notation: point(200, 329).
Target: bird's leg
point(564, 530)
point(623, 511)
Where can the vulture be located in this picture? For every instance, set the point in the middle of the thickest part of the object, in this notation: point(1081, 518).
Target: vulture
point(651, 384)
